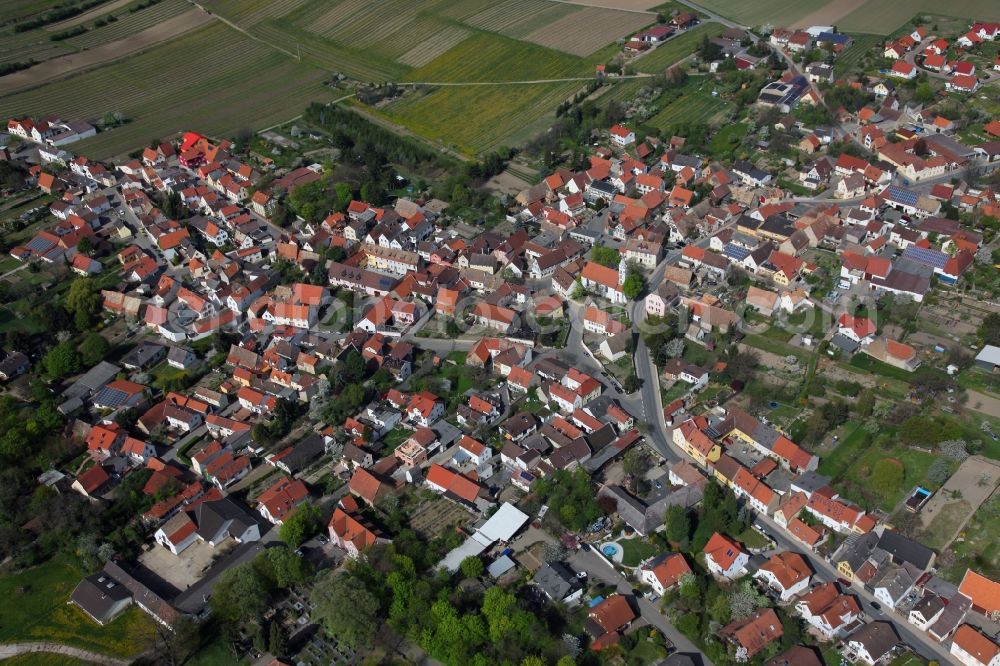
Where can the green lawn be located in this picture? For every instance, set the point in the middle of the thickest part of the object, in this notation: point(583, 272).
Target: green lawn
point(869, 364)
point(725, 142)
point(36, 610)
point(636, 550)
point(776, 332)
point(13, 317)
point(908, 659)
point(777, 347)
point(678, 48)
point(831, 657)
point(751, 538)
point(394, 438)
point(978, 380)
point(163, 376)
point(836, 463)
point(8, 263)
point(852, 463)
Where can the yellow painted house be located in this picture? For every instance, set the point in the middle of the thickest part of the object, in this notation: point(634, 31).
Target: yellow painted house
point(691, 438)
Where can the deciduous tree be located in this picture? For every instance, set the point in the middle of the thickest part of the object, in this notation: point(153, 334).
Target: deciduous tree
point(346, 608)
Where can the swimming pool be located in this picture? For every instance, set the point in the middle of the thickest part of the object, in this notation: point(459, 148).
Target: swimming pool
point(612, 551)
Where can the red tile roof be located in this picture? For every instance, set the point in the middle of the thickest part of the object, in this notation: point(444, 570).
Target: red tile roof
point(985, 593)
point(722, 550)
point(613, 613)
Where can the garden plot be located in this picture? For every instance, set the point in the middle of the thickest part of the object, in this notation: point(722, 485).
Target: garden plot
point(953, 505)
point(435, 514)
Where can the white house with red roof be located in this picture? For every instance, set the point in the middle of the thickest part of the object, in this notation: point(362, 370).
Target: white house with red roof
point(725, 558)
point(255, 401)
point(472, 450)
point(621, 136)
point(963, 83)
point(84, 265)
point(903, 70)
point(827, 611)
point(787, 573)
point(860, 329)
point(607, 282)
point(664, 572)
point(278, 501)
point(425, 408)
point(972, 648)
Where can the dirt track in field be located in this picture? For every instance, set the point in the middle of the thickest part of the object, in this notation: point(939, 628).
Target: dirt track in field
point(829, 14)
point(57, 68)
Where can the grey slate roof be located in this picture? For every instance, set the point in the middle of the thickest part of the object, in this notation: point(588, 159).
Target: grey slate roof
point(877, 638)
point(904, 549)
point(556, 580)
point(100, 596)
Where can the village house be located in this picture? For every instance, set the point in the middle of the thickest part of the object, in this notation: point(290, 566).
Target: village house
point(725, 558)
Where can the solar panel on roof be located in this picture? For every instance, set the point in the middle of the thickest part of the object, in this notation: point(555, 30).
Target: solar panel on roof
point(736, 252)
point(903, 195)
point(926, 256)
point(110, 397)
point(39, 244)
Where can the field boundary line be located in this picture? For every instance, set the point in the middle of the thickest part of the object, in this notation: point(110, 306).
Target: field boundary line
point(449, 84)
point(646, 12)
point(236, 27)
point(298, 117)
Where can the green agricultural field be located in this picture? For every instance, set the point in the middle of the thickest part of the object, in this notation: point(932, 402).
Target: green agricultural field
point(214, 80)
point(328, 55)
point(885, 16)
point(678, 48)
point(36, 610)
point(696, 105)
point(760, 12)
point(129, 24)
point(488, 57)
point(451, 41)
point(32, 45)
point(620, 90)
point(855, 53)
point(474, 119)
point(16, 10)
